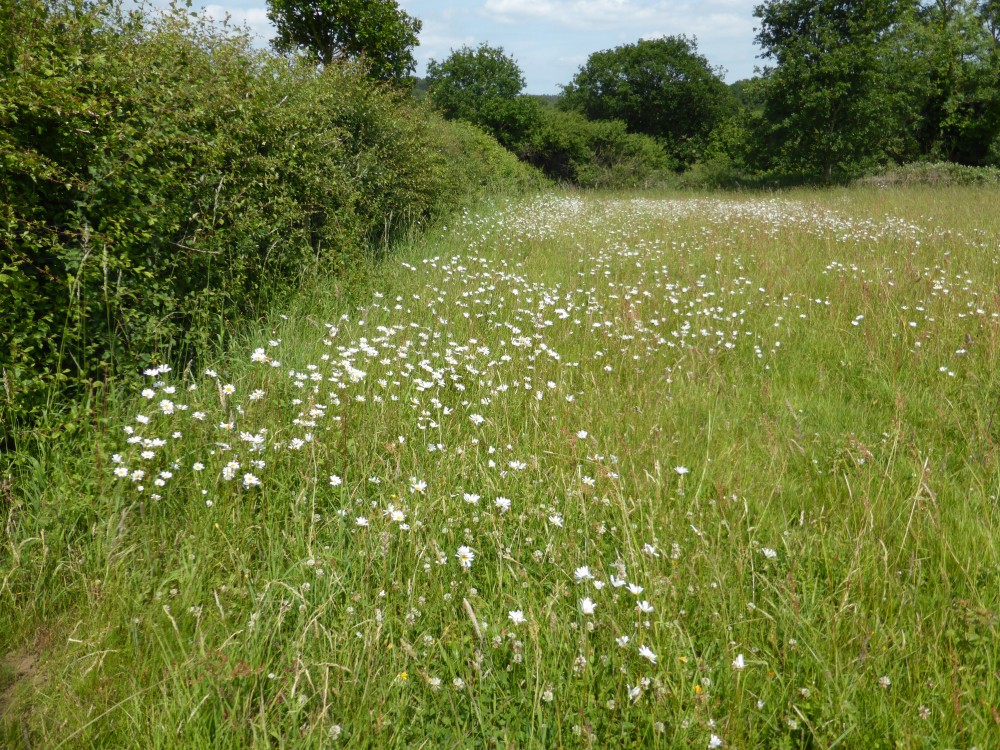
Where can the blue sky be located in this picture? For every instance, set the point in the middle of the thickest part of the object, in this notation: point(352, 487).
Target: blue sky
point(551, 39)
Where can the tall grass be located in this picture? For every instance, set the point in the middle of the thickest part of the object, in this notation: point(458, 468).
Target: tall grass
point(643, 470)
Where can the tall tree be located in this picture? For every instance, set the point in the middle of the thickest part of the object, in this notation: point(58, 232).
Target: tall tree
point(989, 12)
point(660, 87)
point(470, 80)
point(947, 64)
point(828, 101)
point(374, 31)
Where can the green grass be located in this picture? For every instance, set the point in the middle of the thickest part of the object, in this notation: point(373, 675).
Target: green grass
point(835, 530)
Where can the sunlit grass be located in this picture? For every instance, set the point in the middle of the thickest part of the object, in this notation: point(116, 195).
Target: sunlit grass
point(651, 471)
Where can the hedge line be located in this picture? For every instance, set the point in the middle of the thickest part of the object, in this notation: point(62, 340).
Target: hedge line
point(161, 180)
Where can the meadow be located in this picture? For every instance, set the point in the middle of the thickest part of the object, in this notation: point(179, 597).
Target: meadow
point(650, 470)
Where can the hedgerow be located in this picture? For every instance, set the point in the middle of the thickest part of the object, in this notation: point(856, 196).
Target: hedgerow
point(161, 181)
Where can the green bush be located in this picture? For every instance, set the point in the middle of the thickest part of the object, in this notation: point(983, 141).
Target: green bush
point(482, 87)
point(161, 181)
point(569, 147)
point(623, 159)
point(470, 164)
point(557, 144)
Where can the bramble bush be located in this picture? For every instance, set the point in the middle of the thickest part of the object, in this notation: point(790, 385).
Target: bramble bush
point(161, 181)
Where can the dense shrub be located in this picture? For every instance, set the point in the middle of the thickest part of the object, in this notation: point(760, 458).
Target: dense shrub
point(624, 159)
point(160, 180)
point(470, 164)
point(567, 146)
point(483, 86)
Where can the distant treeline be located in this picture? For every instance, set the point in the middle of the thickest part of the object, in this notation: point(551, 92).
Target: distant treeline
point(850, 86)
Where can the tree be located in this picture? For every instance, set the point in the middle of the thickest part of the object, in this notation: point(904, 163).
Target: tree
point(659, 87)
point(955, 106)
point(376, 32)
point(470, 81)
point(989, 12)
point(483, 86)
point(828, 104)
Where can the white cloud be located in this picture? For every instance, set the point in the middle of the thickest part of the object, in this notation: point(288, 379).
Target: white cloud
point(254, 19)
point(723, 28)
point(574, 14)
point(438, 39)
point(550, 39)
point(620, 14)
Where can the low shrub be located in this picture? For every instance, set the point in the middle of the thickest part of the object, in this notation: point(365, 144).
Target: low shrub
point(933, 173)
point(569, 147)
point(622, 159)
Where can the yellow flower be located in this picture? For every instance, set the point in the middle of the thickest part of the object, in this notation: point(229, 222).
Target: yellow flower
point(402, 677)
point(698, 690)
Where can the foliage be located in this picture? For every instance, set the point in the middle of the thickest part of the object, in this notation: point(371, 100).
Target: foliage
point(948, 66)
point(989, 12)
point(471, 165)
point(375, 31)
point(511, 121)
point(934, 174)
point(470, 80)
point(729, 158)
point(593, 154)
point(858, 84)
point(659, 87)
point(483, 87)
point(827, 104)
point(161, 182)
point(569, 148)
point(739, 90)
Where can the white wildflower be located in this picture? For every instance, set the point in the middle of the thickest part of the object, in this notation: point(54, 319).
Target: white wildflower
point(646, 653)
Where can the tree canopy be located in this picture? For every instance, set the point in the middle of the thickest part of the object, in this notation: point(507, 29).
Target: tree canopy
point(861, 82)
point(660, 87)
point(376, 32)
point(470, 80)
point(828, 103)
point(950, 51)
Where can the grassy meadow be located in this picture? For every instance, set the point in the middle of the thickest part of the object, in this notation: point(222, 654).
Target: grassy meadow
point(578, 470)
